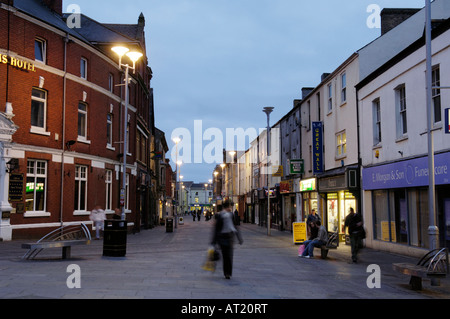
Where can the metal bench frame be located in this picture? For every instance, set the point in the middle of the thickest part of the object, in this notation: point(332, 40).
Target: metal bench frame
point(433, 265)
point(63, 237)
point(332, 243)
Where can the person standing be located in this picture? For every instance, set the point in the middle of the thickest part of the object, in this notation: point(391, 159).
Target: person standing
point(356, 231)
point(311, 220)
point(224, 232)
point(98, 218)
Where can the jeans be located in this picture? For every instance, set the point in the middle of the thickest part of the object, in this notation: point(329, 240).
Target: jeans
point(355, 242)
point(309, 247)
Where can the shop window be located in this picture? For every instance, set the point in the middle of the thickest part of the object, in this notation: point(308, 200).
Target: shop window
point(39, 109)
point(80, 188)
point(401, 216)
point(36, 187)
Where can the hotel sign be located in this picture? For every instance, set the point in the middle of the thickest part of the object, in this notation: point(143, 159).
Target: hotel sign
point(17, 63)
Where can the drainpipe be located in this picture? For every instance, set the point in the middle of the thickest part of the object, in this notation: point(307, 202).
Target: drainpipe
point(66, 41)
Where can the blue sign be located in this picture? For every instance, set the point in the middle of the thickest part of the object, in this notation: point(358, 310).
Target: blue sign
point(317, 145)
point(447, 121)
point(411, 173)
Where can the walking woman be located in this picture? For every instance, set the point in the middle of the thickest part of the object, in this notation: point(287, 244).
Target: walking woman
point(224, 233)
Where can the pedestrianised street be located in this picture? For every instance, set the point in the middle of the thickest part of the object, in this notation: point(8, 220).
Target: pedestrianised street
point(168, 265)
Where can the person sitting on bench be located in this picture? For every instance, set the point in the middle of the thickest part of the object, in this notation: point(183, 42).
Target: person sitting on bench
point(319, 241)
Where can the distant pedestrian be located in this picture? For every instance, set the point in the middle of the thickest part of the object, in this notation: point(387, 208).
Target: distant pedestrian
point(117, 214)
point(98, 218)
point(194, 213)
point(224, 233)
point(319, 241)
point(355, 230)
point(199, 214)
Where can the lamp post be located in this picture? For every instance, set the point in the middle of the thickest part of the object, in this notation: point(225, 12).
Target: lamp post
point(134, 57)
point(433, 230)
point(232, 153)
point(268, 110)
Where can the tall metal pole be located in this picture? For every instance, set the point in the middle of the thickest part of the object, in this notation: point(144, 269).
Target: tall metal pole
point(125, 140)
point(268, 110)
point(433, 230)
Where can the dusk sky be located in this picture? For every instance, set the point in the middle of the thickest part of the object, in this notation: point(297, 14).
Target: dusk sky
point(222, 61)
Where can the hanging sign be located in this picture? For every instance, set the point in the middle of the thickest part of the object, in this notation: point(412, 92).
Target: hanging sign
point(317, 147)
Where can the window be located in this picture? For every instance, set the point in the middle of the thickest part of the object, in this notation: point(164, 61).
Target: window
point(343, 88)
point(83, 68)
point(436, 94)
point(330, 97)
point(40, 48)
point(108, 182)
point(376, 121)
point(111, 83)
point(109, 129)
point(82, 121)
point(80, 188)
point(400, 106)
point(36, 187)
point(341, 144)
point(141, 146)
point(39, 109)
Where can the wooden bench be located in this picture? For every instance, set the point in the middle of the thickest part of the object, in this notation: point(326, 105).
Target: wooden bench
point(433, 265)
point(332, 243)
point(64, 237)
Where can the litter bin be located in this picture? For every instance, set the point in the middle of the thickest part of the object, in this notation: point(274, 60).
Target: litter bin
point(115, 238)
point(169, 225)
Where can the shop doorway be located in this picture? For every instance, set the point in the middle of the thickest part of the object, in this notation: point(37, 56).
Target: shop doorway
point(338, 206)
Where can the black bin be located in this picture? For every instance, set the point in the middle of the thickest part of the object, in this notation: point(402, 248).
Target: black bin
point(115, 238)
point(169, 225)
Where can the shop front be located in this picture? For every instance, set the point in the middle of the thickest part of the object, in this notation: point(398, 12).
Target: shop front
point(398, 193)
point(308, 189)
point(338, 201)
point(289, 205)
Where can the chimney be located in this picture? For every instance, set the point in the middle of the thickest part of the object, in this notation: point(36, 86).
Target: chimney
point(390, 18)
point(324, 76)
point(54, 5)
point(306, 91)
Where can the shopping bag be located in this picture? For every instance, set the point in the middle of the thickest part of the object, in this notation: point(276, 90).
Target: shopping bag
point(301, 249)
point(211, 257)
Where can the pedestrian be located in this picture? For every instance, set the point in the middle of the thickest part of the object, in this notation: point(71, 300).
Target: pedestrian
point(224, 232)
point(98, 218)
point(237, 218)
point(199, 214)
point(355, 230)
point(194, 214)
point(311, 219)
point(117, 214)
point(319, 241)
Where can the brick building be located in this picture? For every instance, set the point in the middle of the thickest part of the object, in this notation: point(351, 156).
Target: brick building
point(61, 109)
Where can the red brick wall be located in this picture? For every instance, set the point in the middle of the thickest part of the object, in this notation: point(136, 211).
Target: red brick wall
point(23, 34)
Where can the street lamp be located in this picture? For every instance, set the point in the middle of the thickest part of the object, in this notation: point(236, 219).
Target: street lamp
point(232, 153)
point(268, 110)
point(134, 57)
